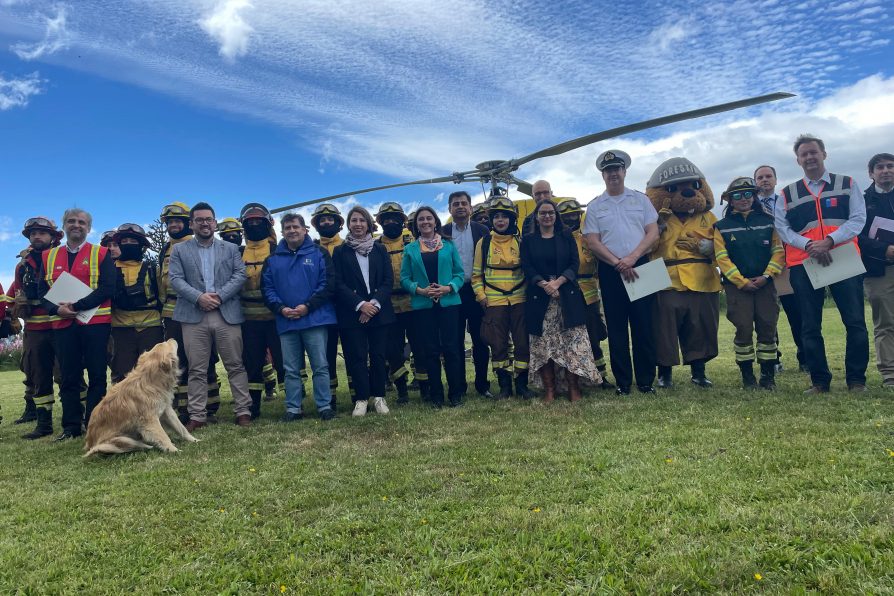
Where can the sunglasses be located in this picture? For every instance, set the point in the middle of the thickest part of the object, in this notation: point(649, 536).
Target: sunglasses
point(695, 184)
point(741, 195)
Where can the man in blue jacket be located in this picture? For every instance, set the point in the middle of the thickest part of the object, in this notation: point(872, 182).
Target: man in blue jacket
point(297, 283)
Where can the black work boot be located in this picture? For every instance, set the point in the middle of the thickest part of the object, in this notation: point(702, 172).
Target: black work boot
point(44, 425)
point(665, 377)
point(30, 413)
point(605, 385)
point(255, 409)
point(748, 380)
point(698, 374)
point(504, 380)
point(424, 391)
point(521, 386)
point(403, 394)
point(768, 370)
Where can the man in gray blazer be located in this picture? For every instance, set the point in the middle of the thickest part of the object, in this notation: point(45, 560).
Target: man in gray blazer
point(207, 275)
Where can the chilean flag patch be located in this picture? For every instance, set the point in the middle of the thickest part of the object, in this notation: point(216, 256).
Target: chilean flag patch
point(832, 202)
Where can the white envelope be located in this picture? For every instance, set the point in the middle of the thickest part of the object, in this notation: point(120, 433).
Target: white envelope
point(69, 288)
point(846, 263)
point(652, 278)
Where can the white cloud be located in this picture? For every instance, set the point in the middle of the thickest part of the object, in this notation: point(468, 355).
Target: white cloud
point(226, 25)
point(16, 93)
point(56, 37)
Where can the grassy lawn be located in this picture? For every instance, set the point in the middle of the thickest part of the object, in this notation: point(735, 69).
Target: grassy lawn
point(694, 490)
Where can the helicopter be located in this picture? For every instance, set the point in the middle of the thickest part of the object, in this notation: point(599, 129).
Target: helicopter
point(498, 173)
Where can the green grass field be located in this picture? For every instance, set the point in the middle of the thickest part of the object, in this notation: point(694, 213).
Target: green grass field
point(692, 491)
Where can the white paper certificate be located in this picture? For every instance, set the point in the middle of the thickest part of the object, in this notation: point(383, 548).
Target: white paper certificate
point(69, 288)
point(846, 263)
point(652, 278)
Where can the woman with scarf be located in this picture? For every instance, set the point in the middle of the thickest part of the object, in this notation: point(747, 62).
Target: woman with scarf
point(363, 307)
point(432, 272)
point(555, 311)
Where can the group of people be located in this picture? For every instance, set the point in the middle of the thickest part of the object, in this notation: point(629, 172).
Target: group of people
point(398, 291)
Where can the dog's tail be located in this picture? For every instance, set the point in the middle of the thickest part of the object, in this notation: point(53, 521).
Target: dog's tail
point(120, 444)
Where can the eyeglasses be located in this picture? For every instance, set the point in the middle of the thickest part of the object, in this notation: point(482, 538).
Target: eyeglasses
point(543, 192)
point(203, 220)
point(742, 195)
point(547, 214)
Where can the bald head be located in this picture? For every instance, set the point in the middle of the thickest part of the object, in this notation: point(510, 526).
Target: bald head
point(541, 191)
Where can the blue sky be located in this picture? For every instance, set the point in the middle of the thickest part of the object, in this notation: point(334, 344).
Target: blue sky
point(123, 107)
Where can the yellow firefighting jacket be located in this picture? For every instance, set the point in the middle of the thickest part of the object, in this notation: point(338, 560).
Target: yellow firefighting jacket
point(331, 244)
point(252, 298)
point(166, 293)
point(586, 272)
point(689, 269)
point(132, 306)
point(400, 298)
point(498, 275)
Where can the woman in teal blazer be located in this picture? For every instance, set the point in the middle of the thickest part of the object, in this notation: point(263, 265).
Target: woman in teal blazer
point(432, 272)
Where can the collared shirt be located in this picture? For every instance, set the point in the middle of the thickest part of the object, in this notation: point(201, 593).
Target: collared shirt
point(620, 220)
point(462, 239)
point(881, 190)
point(206, 254)
point(848, 230)
point(76, 250)
point(769, 203)
point(363, 262)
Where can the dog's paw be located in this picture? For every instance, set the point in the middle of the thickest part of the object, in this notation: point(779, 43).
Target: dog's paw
point(192, 439)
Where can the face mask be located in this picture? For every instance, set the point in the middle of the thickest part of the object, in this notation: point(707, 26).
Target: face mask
point(328, 230)
point(182, 233)
point(131, 252)
point(572, 222)
point(232, 238)
point(257, 232)
point(392, 229)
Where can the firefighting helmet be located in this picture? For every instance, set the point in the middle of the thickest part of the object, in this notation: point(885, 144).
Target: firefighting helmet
point(130, 230)
point(229, 224)
point(390, 207)
point(568, 205)
point(176, 209)
point(107, 237)
point(740, 189)
point(255, 210)
point(327, 209)
point(42, 223)
point(501, 204)
point(479, 209)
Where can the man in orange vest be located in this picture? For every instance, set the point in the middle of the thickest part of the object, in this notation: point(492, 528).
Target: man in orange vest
point(816, 214)
point(80, 344)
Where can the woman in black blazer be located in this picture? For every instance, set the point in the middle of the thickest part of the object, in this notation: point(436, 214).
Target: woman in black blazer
point(555, 310)
point(364, 279)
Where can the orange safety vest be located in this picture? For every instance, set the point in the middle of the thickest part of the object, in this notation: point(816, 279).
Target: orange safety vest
point(816, 216)
point(86, 269)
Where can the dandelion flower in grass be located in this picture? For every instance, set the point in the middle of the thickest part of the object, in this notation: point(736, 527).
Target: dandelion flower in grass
point(252, 470)
point(758, 576)
point(668, 460)
point(384, 498)
point(282, 589)
point(536, 509)
point(221, 509)
point(424, 521)
point(890, 452)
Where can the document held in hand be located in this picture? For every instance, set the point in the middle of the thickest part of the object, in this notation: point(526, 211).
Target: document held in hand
point(69, 288)
point(652, 278)
point(846, 263)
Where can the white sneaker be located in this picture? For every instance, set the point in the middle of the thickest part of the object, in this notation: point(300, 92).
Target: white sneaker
point(380, 405)
point(360, 408)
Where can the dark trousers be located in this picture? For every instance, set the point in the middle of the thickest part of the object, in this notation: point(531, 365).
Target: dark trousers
point(597, 331)
point(128, 344)
point(80, 347)
point(627, 321)
point(439, 331)
point(332, 360)
point(174, 331)
point(686, 322)
point(470, 315)
point(38, 359)
point(399, 333)
point(848, 296)
point(257, 338)
point(792, 310)
point(364, 352)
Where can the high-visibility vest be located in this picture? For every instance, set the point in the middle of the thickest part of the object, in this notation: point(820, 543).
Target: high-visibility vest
point(586, 272)
point(497, 272)
point(816, 216)
point(251, 296)
point(400, 298)
point(135, 303)
point(85, 268)
point(166, 293)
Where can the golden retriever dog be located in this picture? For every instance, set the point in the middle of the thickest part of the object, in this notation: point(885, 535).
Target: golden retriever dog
point(130, 416)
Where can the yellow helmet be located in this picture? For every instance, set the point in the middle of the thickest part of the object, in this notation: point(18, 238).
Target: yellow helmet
point(479, 209)
point(176, 209)
point(568, 205)
point(504, 204)
point(390, 207)
point(229, 224)
point(327, 209)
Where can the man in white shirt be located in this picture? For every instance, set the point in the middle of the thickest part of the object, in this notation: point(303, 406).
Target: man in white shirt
point(813, 216)
point(621, 226)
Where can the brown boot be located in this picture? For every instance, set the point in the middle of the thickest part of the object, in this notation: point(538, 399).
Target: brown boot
point(574, 387)
point(548, 376)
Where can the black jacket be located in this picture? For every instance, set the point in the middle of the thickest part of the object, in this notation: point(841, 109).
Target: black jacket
point(478, 232)
point(571, 300)
point(873, 251)
point(350, 290)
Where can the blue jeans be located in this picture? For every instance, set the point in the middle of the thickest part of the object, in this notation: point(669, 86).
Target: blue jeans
point(294, 344)
point(848, 296)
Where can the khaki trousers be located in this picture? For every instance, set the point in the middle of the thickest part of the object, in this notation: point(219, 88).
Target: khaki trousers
point(753, 313)
point(880, 291)
point(687, 322)
point(199, 340)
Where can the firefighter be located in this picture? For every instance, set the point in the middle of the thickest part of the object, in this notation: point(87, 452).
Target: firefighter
point(136, 308)
point(259, 333)
point(230, 230)
point(38, 354)
point(107, 239)
point(176, 219)
point(327, 220)
point(571, 211)
point(750, 254)
point(394, 238)
point(479, 215)
point(499, 285)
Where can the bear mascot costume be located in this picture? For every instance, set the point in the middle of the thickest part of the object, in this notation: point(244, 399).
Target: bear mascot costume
point(687, 315)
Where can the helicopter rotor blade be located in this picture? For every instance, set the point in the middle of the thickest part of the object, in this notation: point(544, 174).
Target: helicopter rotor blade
point(456, 177)
point(523, 186)
point(629, 128)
